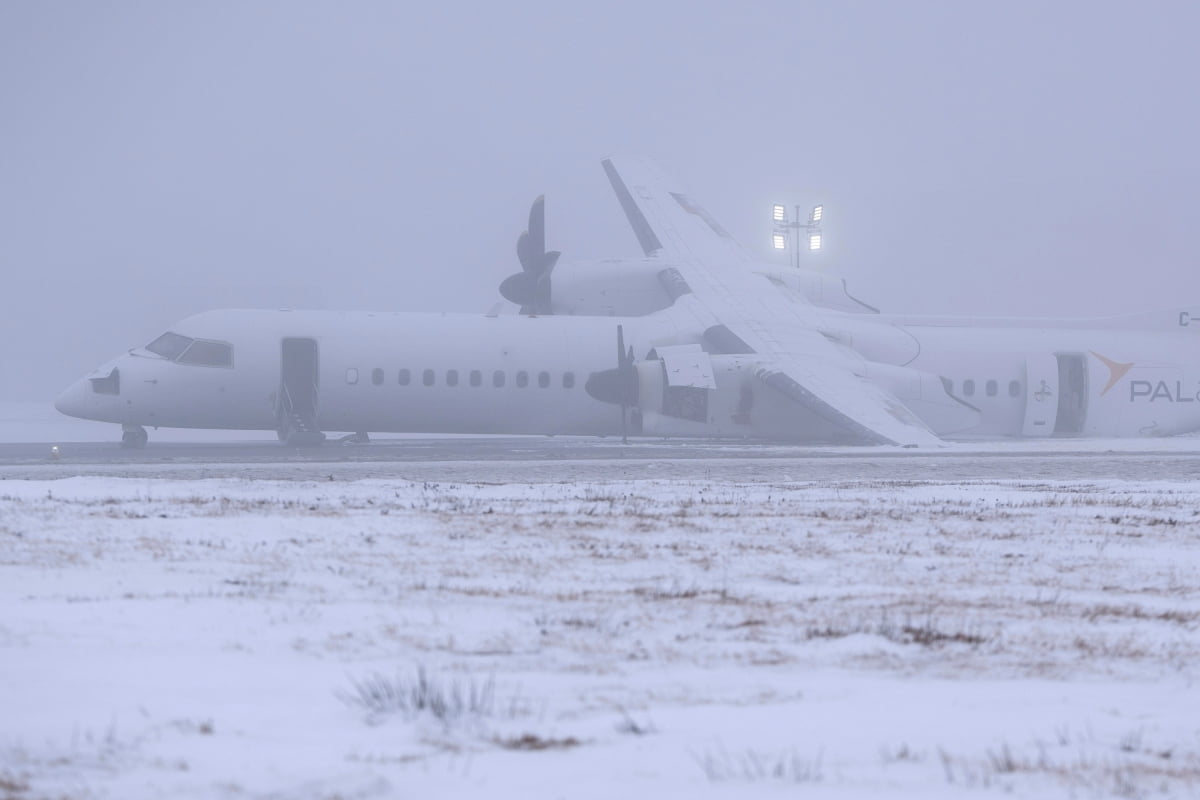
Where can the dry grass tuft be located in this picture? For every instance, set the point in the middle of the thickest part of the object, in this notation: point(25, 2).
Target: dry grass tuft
point(12, 785)
point(752, 766)
point(422, 694)
point(532, 742)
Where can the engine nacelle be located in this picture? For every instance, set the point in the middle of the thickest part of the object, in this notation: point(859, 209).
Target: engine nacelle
point(616, 288)
point(634, 287)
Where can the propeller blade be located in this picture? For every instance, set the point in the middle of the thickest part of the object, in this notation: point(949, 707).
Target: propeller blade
point(520, 289)
point(618, 386)
point(537, 225)
point(621, 373)
point(530, 260)
point(530, 288)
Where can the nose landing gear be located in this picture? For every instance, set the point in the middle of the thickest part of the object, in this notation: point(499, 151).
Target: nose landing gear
point(134, 437)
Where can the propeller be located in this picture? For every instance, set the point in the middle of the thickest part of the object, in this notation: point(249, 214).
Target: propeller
point(617, 386)
point(530, 288)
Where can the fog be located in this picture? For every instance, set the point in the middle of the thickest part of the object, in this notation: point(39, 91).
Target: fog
point(159, 159)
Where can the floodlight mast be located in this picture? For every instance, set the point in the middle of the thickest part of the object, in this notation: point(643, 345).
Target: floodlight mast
point(785, 229)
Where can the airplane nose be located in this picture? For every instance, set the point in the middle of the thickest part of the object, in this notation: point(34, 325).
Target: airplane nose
point(73, 401)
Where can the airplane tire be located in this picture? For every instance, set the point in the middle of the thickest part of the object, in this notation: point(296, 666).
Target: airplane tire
point(134, 440)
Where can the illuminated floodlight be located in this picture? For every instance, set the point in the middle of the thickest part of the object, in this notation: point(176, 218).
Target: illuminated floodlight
point(815, 216)
point(814, 241)
point(778, 213)
point(779, 241)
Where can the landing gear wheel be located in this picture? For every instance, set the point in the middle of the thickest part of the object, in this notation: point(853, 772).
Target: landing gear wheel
point(134, 438)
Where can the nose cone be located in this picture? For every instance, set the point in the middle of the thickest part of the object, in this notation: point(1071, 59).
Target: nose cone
point(74, 401)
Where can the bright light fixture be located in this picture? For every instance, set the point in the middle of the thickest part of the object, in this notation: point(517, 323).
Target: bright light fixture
point(779, 241)
point(815, 216)
point(814, 241)
point(779, 213)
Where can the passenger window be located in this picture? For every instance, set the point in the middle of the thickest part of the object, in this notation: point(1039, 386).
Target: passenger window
point(1014, 388)
point(427, 377)
point(949, 384)
point(405, 377)
point(208, 354)
point(568, 380)
point(476, 377)
point(991, 388)
point(969, 387)
point(452, 377)
point(498, 378)
point(522, 379)
point(377, 376)
point(543, 379)
point(352, 375)
point(169, 345)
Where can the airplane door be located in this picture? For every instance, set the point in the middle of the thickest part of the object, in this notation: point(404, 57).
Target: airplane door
point(1072, 394)
point(299, 397)
point(1041, 394)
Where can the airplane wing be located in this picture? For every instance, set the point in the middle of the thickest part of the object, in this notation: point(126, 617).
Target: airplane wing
point(743, 312)
point(668, 222)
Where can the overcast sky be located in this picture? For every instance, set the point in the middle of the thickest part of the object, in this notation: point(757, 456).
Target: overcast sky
point(159, 159)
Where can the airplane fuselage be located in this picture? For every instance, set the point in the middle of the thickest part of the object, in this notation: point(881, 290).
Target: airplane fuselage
point(1068, 382)
point(463, 373)
point(379, 372)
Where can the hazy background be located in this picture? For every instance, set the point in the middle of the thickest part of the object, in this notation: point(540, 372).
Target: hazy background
point(158, 159)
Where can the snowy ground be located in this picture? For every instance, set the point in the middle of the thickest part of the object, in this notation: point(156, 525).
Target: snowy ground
point(240, 638)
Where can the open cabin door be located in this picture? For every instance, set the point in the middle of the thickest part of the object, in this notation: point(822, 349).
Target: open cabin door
point(1041, 394)
point(1072, 394)
point(1056, 394)
point(299, 396)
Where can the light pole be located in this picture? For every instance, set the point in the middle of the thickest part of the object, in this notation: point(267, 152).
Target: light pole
point(785, 229)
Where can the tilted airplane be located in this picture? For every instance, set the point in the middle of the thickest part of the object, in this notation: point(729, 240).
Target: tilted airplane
point(708, 343)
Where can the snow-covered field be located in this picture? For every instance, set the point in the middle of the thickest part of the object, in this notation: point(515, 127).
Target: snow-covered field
point(385, 638)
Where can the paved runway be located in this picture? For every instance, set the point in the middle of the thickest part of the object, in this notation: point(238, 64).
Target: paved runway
point(540, 459)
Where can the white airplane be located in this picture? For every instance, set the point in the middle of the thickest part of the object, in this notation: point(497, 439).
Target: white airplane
point(709, 343)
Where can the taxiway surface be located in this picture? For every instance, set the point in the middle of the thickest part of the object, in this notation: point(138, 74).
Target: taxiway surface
point(560, 459)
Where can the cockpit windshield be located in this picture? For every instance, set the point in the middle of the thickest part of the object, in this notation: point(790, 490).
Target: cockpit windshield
point(185, 350)
point(208, 354)
point(170, 345)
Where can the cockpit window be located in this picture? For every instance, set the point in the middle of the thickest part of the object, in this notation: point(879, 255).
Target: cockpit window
point(208, 354)
point(170, 345)
point(109, 384)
